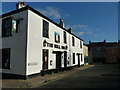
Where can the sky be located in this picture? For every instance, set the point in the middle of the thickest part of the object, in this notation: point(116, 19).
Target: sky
point(91, 21)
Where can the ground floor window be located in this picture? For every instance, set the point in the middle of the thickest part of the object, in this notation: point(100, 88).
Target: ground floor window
point(6, 58)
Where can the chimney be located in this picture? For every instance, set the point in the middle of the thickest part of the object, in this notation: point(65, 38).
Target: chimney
point(61, 23)
point(24, 3)
point(104, 41)
point(20, 5)
point(69, 30)
point(89, 42)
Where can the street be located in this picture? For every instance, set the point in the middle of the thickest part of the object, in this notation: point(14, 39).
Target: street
point(100, 76)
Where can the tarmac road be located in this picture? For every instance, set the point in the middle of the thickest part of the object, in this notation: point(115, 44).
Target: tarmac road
point(99, 76)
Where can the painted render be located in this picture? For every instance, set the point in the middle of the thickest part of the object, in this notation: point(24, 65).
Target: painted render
point(27, 44)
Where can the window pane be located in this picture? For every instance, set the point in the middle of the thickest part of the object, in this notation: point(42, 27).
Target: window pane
point(45, 29)
point(14, 25)
point(80, 44)
point(73, 41)
point(57, 37)
point(6, 58)
point(6, 27)
point(64, 36)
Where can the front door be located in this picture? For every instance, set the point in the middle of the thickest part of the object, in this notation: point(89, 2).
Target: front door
point(78, 60)
point(45, 59)
point(65, 59)
point(58, 61)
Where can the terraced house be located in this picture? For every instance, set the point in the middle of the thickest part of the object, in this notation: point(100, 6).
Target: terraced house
point(32, 43)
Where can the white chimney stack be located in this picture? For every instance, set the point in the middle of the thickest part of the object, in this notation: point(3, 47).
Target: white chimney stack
point(20, 5)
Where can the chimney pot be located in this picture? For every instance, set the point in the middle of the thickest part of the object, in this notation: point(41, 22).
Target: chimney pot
point(104, 41)
point(61, 23)
point(20, 5)
point(70, 30)
point(89, 42)
point(24, 3)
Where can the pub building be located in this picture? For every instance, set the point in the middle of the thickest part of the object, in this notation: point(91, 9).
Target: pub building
point(33, 44)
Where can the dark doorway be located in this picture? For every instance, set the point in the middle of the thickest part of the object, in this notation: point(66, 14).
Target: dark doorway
point(78, 60)
point(65, 59)
point(58, 61)
point(45, 59)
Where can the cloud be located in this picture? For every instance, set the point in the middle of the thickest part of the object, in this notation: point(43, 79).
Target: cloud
point(67, 15)
point(98, 34)
point(95, 35)
point(79, 29)
point(84, 33)
point(102, 34)
point(83, 30)
point(81, 33)
point(68, 26)
point(89, 32)
point(79, 26)
point(50, 11)
point(84, 27)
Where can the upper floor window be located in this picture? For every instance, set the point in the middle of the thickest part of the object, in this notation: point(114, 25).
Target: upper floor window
point(64, 37)
point(45, 29)
point(57, 37)
point(73, 41)
point(6, 27)
point(80, 44)
point(9, 26)
point(14, 26)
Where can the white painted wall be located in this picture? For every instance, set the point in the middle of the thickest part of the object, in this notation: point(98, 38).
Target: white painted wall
point(76, 49)
point(35, 44)
point(17, 43)
point(27, 45)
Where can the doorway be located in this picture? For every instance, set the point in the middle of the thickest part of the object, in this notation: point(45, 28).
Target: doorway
point(65, 59)
point(45, 59)
point(58, 61)
point(78, 60)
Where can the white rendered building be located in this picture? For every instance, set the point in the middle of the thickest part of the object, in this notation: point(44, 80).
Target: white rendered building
point(32, 43)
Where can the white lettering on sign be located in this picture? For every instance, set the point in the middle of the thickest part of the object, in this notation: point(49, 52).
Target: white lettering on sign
point(46, 44)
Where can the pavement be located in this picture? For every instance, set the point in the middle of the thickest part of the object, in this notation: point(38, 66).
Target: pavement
point(39, 80)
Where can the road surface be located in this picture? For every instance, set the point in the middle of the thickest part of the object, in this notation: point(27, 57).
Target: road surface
point(99, 76)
